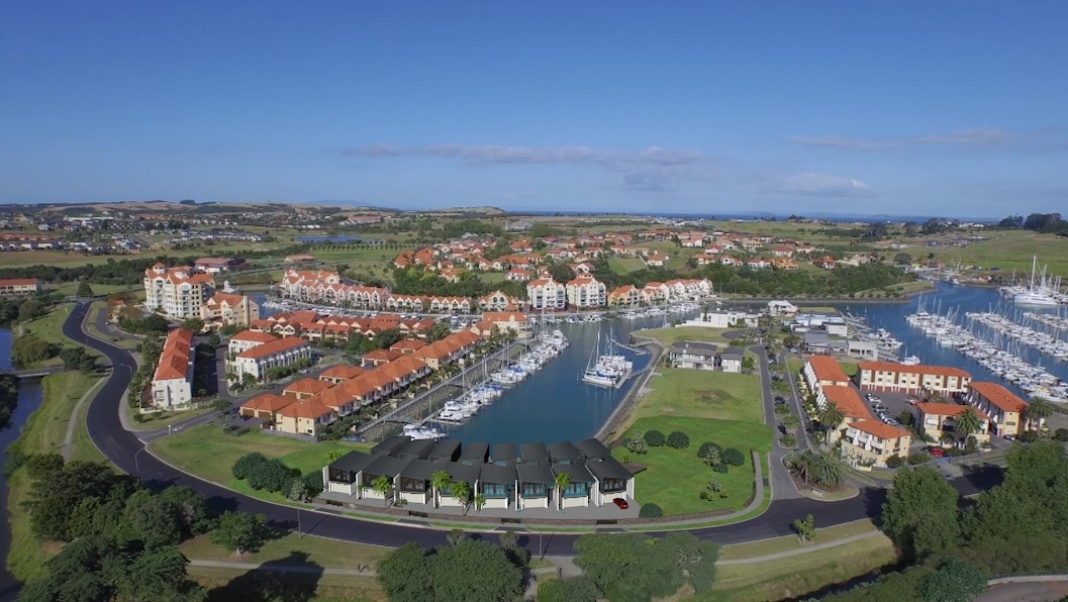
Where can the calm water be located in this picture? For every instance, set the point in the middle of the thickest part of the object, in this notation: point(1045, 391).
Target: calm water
point(945, 298)
point(29, 399)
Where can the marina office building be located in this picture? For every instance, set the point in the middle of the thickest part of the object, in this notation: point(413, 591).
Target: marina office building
point(506, 477)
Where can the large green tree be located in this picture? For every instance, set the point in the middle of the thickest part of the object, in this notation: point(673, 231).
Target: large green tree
point(569, 589)
point(405, 574)
point(474, 571)
point(637, 568)
point(954, 580)
point(240, 531)
point(53, 497)
point(920, 513)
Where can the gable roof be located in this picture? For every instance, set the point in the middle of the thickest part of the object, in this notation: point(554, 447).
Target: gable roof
point(848, 401)
point(273, 347)
point(827, 368)
point(880, 429)
point(174, 359)
point(999, 396)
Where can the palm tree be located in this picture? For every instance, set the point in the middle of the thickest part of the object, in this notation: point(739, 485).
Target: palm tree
point(462, 491)
point(826, 469)
point(968, 423)
point(561, 482)
point(831, 416)
point(439, 480)
point(791, 422)
point(384, 485)
point(1036, 412)
point(480, 500)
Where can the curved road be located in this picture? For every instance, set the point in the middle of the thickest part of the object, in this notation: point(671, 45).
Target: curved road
point(126, 451)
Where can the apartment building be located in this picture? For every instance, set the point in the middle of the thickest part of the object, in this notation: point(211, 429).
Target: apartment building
point(1005, 409)
point(243, 341)
point(936, 419)
point(179, 293)
point(851, 405)
point(172, 383)
point(870, 442)
point(12, 287)
point(586, 291)
point(886, 376)
point(272, 354)
point(513, 321)
point(546, 294)
point(227, 309)
point(823, 371)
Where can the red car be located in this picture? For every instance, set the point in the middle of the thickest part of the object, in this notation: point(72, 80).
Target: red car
point(937, 452)
point(622, 503)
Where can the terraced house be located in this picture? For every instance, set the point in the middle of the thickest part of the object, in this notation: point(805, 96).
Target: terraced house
point(886, 376)
point(1005, 409)
point(279, 353)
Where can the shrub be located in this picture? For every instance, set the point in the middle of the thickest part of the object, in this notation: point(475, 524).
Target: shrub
point(678, 440)
point(782, 410)
point(1061, 434)
point(703, 450)
point(313, 482)
point(650, 510)
point(654, 438)
point(895, 461)
point(1026, 437)
point(636, 445)
point(246, 463)
point(271, 475)
point(918, 458)
point(788, 441)
point(721, 468)
point(732, 457)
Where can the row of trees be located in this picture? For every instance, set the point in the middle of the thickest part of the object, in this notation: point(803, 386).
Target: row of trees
point(954, 545)
point(274, 476)
point(9, 397)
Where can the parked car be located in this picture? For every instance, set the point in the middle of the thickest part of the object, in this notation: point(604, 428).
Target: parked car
point(621, 503)
point(937, 452)
point(1009, 438)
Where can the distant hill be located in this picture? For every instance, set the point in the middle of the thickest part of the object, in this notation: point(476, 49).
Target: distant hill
point(488, 211)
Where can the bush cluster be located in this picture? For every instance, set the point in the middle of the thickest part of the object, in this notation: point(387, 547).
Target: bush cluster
point(678, 440)
point(654, 438)
point(274, 476)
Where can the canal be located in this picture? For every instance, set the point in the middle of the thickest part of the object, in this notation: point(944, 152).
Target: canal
point(29, 399)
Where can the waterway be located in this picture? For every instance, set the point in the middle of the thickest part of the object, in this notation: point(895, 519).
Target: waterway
point(943, 298)
point(29, 400)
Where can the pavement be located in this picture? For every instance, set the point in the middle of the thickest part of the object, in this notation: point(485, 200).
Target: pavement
point(1037, 588)
point(124, 449)
point(782, 485)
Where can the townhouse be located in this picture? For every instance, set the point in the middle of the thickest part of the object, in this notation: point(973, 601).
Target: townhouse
point(19, 286)
point(172, 382)
point(506, 479)
point(823, 371)
point(512, 321)
point(1007, 411)
point(279, 353)
point(871, 442)
point(626, 295)
point(245, 340)
point(887, 376)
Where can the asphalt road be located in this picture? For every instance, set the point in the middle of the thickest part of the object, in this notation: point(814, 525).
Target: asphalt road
point(126, 451)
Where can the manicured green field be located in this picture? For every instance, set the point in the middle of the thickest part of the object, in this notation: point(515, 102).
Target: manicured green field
point(208, 452)
point(64, 259)
point(1009, 250)
point(703, 394)
point(49, 327)
point(625, 265)
point(670, 336)
point(674, 478)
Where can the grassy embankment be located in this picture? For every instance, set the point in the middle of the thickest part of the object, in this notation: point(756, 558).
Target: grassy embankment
point(796, 575)
point(49, 327)
point(1009, 250)
point(44, 433)
point(708, 406)
point(209, 453)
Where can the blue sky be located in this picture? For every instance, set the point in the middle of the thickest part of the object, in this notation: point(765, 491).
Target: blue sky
point(853, 106)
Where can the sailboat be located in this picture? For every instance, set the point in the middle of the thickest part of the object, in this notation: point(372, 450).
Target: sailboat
point(1035, 295)
point(609, 369)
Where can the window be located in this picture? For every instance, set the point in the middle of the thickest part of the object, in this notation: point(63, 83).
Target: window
point(494, 490)
point(576, 490)
point(613, 485)
point(338, 475)
point(534, 490)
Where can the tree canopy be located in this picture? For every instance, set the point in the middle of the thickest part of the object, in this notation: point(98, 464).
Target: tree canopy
point(638, 568)
point(920, 513)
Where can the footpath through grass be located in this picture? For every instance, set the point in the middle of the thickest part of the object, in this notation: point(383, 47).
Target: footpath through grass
point(674, 478)
point(774, 545)
point(44, 432)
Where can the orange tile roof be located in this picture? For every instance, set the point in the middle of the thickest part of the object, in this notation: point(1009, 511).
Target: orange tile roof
point(335, 397)
point(342, 372)
point(268, 402)
point(379, 355)
point(307, 385)
point(254, 336)
point(999, 396)
point(272, 347)
point(310, 409)
point(848, 400)
point(827, 368)
point(18, 282)
point(880, 429)
point(174, 358)
point(921, 369)
point(412, 344)
point(504, 316)
point(948, 409)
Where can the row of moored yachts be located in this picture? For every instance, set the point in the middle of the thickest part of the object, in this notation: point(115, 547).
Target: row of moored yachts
point(1009, 366)
point(1046, 342)
point(677, 308)
point(547, 346)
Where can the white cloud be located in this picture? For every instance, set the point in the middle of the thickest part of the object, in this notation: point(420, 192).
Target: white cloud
point(814, 184)
point(975, 137)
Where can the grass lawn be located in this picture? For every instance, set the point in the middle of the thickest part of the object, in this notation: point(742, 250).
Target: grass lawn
point(675, 477)
point(152, 421)
point(763, 547)
point(850, 368)
point(228, 585)
point(209, 453)
point(49, 327)
point(492, 277)
point(702, 394)
point(44, 432)
point(1008, 250)
point(669, 336)
point(21, 259)
point(90, 327)
point(327, 553)
point(625, 265)
point(70, 288)
point(794, 576)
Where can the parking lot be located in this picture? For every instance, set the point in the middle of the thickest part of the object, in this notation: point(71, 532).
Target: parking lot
point(888, 408)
